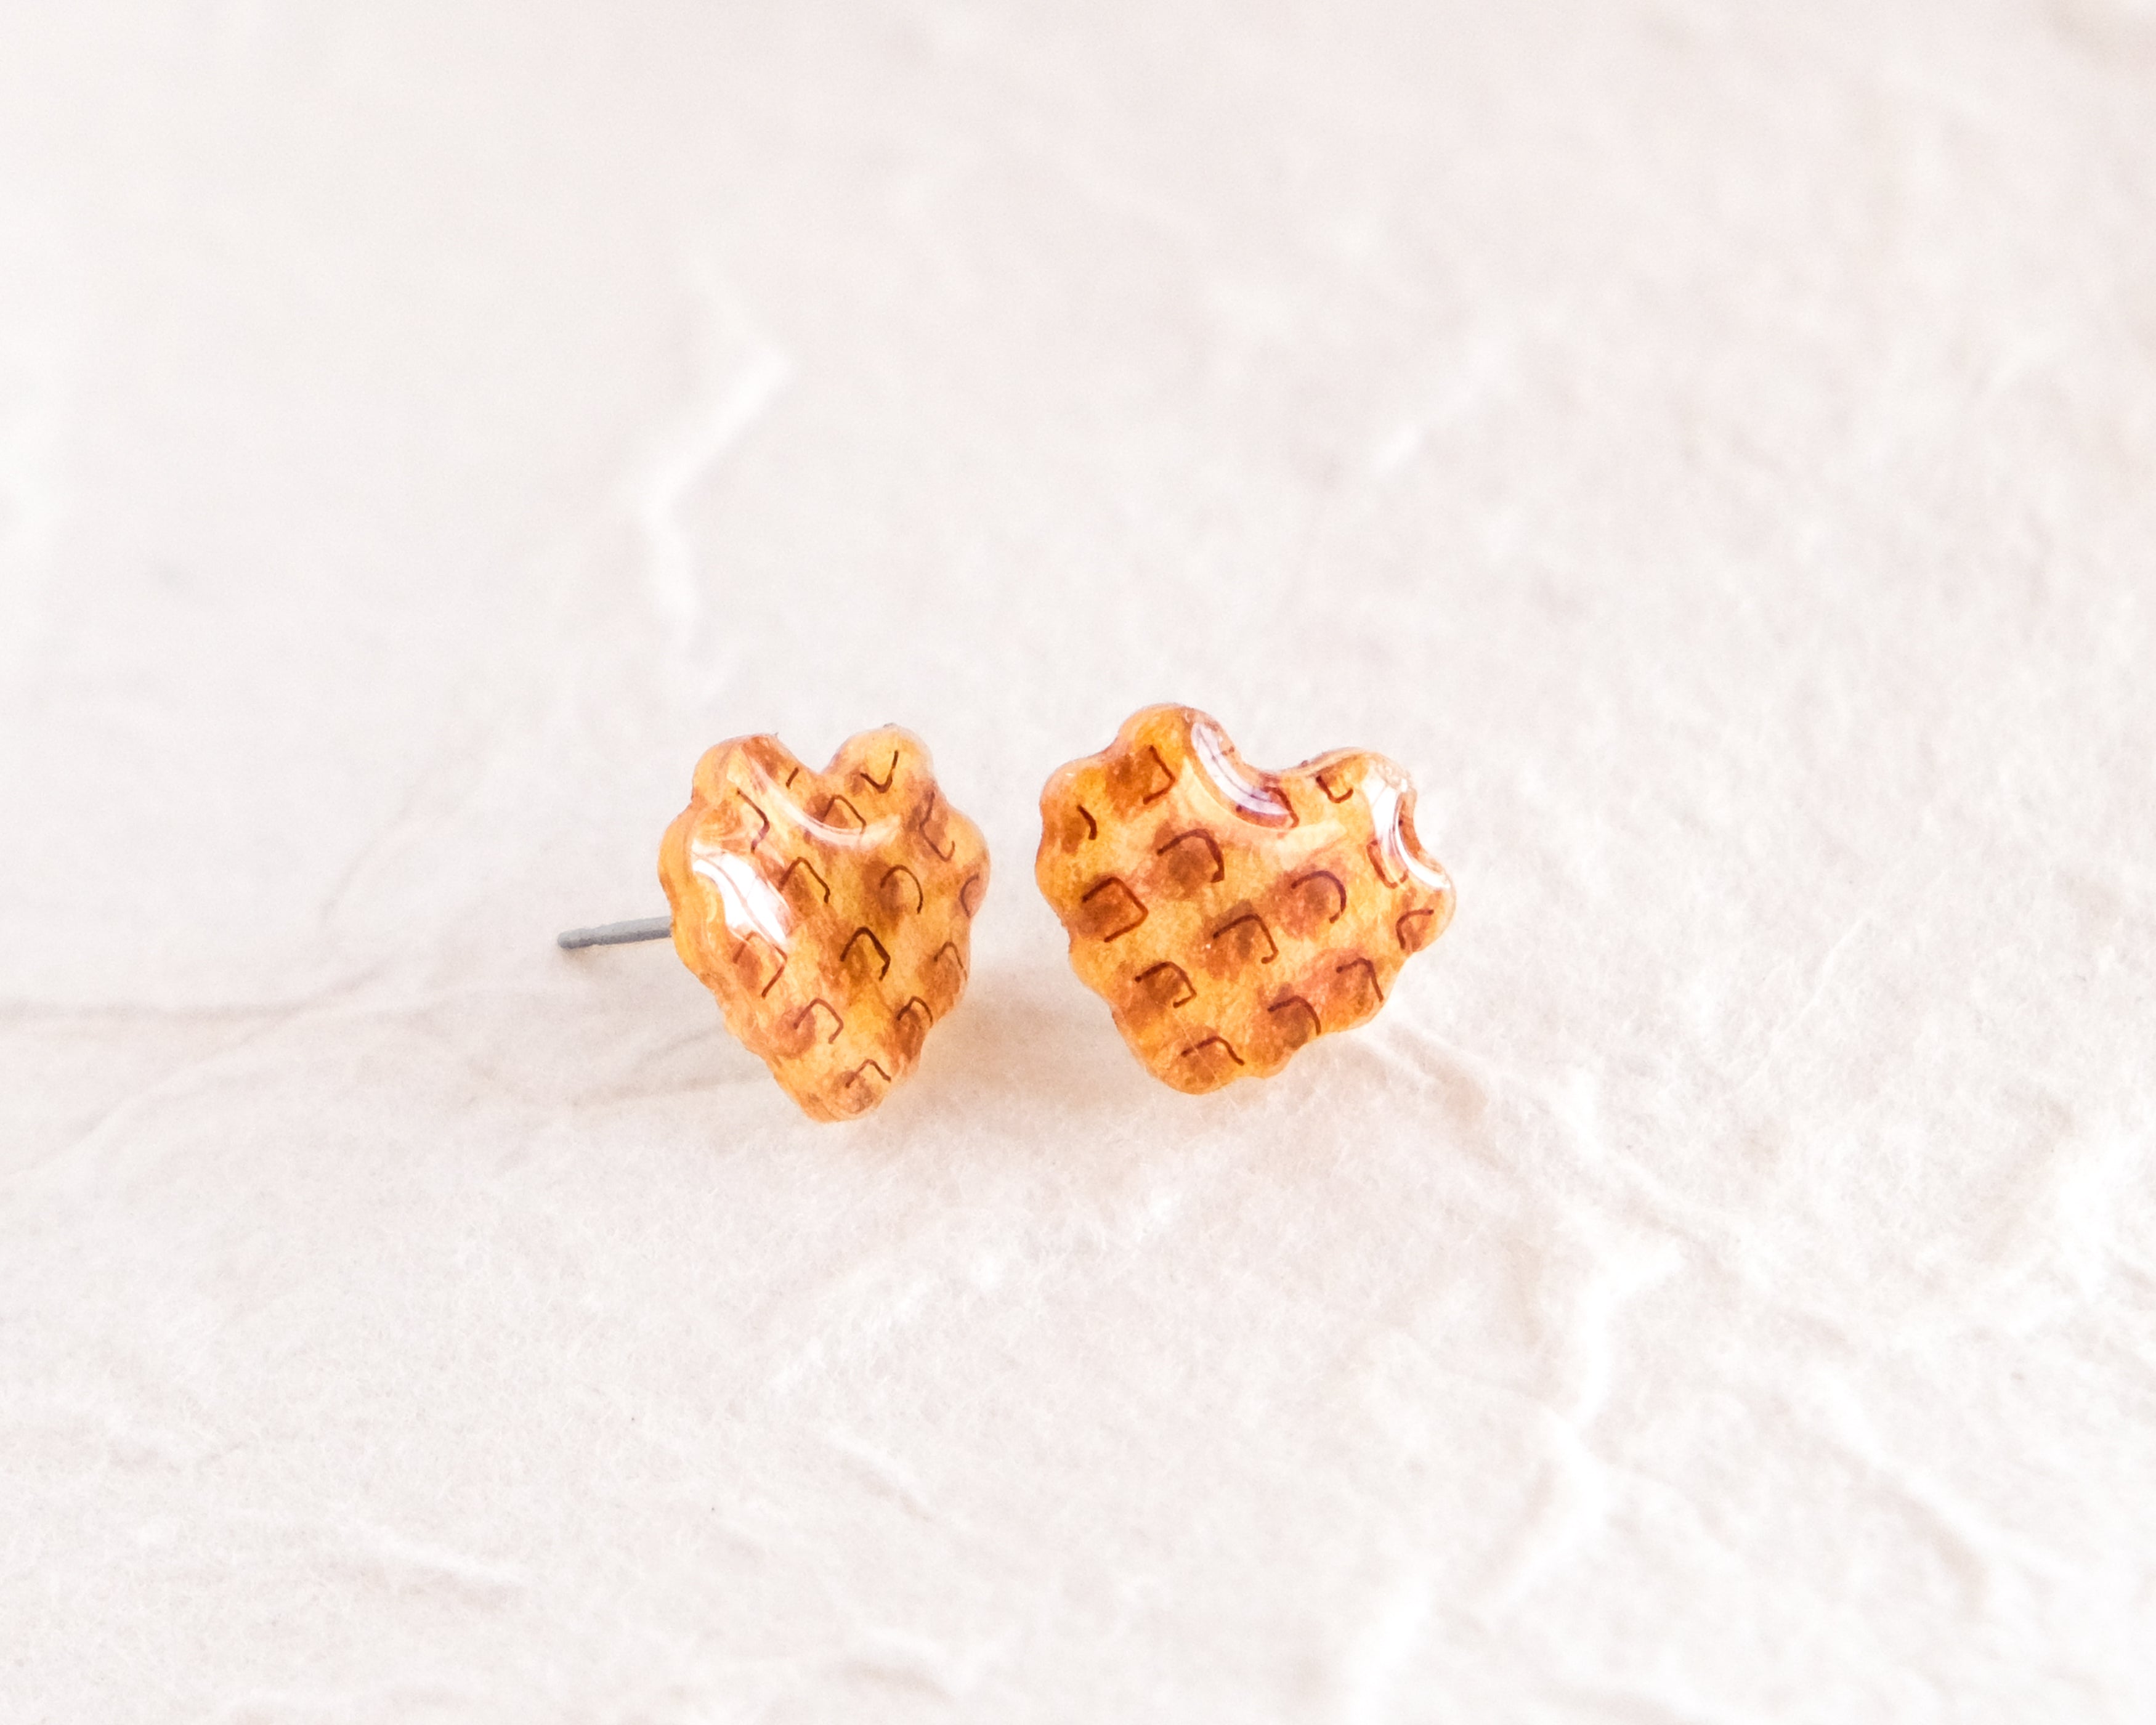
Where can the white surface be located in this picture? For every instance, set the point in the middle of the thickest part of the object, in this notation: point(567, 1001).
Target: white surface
point(1712, 447)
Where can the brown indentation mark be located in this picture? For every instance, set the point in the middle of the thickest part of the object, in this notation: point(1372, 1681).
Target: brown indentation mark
point(803, 862)
point(1339, 887)
point(1378, 862)
point(854, 1076)
point(890, 874)
point(911, 1027)
point(858, 825)
point(868, 935)
point(889, 772)
point(1165, 773)
point(927, 808)
point(1092, 826)
point(1250, 916)
point(838, 1024)
point(1400, 930)
point(969, 895)
point(1213, 844)
point(1317, 1023)
point(741, 946)
point(1364, 964)
point(1190, 989)
point(762, 831)
point(1137, 904)
point(1325, 784)
point(951, 947)
point(1200, 1047)
point(927, 1012)
point(793, 775)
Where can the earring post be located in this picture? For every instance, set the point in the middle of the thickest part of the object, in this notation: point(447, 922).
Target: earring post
point(616, 934)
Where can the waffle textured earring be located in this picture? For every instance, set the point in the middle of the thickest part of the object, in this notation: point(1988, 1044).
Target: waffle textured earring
point(829, 912)
point(1231, 917)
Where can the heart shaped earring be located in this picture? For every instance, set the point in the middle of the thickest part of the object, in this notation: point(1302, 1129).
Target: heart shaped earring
point(1231, 917)
point(829, 913)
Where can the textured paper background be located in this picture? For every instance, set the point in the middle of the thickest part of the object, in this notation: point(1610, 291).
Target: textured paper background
point(1711, 446)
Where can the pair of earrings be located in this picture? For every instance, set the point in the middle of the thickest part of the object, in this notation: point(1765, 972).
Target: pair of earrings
point(1229, 916)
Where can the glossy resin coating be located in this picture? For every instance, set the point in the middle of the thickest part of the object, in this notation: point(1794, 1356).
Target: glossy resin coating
point(1230, 916)
point(828, 912)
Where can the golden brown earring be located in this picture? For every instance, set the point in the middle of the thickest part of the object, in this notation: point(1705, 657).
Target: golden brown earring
point(1231, 917)
point(829, 912)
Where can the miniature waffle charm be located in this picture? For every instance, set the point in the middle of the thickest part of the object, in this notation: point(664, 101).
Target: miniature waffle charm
point(1230, 916)
point(828, 912)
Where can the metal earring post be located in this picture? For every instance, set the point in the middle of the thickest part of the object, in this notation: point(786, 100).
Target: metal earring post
point(616, 934)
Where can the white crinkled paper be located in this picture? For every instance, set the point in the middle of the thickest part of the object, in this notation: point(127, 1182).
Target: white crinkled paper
point(1711, 446)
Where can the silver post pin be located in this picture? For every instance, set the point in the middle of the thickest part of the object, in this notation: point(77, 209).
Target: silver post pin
point(616, 934)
